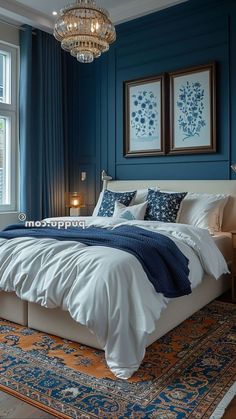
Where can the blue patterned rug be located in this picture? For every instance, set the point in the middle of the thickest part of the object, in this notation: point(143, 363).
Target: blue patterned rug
point(185, 374)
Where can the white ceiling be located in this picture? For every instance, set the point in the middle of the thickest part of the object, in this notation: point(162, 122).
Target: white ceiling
point(38, 13)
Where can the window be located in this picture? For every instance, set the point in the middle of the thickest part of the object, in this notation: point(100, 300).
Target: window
point(8, 127)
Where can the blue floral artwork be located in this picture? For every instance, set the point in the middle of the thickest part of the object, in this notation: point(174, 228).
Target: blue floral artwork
point(191, 105)
point(144, 116)
point(192, 110)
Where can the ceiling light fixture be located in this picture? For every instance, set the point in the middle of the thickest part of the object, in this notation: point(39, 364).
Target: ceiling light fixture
point(85, 30)
point(54, 13)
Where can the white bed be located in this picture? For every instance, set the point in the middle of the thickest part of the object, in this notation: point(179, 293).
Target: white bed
point(60, 323)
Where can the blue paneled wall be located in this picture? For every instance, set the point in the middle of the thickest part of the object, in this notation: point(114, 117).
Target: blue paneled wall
point(193, 33)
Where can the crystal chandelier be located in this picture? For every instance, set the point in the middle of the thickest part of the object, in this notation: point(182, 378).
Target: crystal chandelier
point(85, 30)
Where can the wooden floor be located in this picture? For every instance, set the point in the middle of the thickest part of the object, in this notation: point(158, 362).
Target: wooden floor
point(10, 408)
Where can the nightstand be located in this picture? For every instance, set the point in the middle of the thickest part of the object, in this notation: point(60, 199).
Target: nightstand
point(234, 266)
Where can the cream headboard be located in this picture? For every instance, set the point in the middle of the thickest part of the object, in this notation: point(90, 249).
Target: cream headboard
point(201, 186)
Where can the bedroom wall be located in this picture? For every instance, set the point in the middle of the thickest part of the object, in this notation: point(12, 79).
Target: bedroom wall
point(193, 33)
point(9, 34)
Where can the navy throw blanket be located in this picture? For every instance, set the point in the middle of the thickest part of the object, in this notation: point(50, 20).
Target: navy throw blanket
point(165, 265)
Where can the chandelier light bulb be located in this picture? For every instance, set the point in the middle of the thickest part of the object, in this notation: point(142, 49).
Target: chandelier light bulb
point(85, 30)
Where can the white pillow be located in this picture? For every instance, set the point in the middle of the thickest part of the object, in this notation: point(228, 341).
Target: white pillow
point(139, 198)
point(132, 212)
point(203, 210)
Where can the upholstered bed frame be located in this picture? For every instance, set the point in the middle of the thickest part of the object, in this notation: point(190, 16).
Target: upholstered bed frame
point(58, 322)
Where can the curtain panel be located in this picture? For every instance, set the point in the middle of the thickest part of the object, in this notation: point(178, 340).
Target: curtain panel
point(42, 126)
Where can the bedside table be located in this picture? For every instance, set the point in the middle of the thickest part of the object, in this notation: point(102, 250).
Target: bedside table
point(234, 266)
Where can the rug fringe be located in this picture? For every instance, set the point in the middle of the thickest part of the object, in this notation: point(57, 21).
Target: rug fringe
point(220, 410)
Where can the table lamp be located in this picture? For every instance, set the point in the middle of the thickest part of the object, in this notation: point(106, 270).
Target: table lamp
point(74, 201)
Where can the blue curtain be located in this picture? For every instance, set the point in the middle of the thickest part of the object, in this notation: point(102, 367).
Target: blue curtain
point(42, 126)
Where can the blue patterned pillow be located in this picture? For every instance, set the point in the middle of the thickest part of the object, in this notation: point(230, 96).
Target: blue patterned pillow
point(108, 201)
point(163, 206)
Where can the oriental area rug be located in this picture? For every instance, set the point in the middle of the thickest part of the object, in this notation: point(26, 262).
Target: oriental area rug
point(188, 373)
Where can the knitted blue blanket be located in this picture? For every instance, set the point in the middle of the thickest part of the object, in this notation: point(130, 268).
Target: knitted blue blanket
point(164, 264)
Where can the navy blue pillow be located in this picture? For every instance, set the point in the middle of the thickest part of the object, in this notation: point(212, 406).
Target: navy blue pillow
point(108, 201)
point(163, 206)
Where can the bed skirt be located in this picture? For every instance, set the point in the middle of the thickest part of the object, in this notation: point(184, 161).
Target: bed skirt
point(60, 323)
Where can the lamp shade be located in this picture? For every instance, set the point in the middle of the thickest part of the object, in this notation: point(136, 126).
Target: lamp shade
point(74, 200)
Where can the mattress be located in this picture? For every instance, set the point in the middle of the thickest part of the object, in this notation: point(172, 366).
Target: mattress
point(224, 243)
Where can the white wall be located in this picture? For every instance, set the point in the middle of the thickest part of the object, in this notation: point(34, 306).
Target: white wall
point(9, 34)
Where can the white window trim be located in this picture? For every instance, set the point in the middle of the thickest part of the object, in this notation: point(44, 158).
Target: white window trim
point(12, 111)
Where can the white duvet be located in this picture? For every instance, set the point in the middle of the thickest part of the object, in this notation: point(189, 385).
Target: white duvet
point(104, 289)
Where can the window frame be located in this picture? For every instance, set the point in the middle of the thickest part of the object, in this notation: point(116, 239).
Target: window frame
point(11, 111)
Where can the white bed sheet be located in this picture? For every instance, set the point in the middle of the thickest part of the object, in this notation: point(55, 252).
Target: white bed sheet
point(104, 289)
point(223, 241)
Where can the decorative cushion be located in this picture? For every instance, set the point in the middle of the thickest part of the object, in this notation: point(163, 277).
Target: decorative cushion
point(108, 201)
point(140, 197)
point(163, 206)
point(133, 212)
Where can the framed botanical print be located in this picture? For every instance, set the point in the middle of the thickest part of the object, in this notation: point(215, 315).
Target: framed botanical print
point(192, 110)
point(144, 117)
